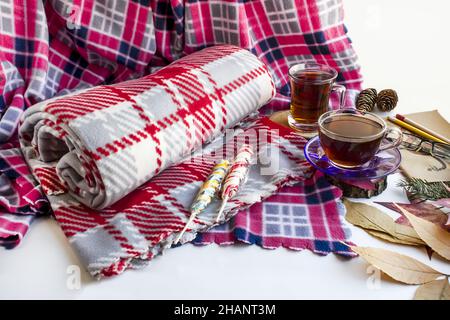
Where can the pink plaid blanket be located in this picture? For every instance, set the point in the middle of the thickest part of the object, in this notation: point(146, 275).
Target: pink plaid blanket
point(59, 47)
point(308, 215)
point(20, 197)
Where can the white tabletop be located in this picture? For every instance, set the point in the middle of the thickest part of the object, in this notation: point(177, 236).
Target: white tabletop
point(402, 45)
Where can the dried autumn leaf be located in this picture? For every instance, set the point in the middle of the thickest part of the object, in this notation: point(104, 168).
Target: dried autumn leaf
point(407, 233)
point(434, 236)
point(398, 266)
point(425, 210)
point(434, 290)
point(388, 237)
point(369, 217)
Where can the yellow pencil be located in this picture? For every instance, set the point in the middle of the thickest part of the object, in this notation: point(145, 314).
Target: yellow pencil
point(421, 127)
point(413, 129)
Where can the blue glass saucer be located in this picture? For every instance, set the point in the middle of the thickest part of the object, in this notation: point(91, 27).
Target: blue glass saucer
point(383, 164)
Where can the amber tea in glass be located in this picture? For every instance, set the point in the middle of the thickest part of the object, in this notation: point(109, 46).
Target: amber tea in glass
point(311, 87)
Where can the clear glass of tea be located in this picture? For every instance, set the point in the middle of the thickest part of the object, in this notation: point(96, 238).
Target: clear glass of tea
point(350, 138)
point(311, 87)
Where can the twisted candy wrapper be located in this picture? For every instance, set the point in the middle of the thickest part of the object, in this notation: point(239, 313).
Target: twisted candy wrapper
point(207, 192)
point(236, 176)
point(211, 187)
point(238, 172)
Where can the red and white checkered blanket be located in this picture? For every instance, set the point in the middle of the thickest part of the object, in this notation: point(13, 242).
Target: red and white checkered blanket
point(106, 141)
point(140, 226)
point(91, 150)
point(61, 46)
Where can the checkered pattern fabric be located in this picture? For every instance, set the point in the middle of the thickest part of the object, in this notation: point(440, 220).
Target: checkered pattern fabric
point(20, 197)
point(61, 46)
point(308, 215)
point(110, 139)
point(89, 152)
point(143, 224)
point(280, 33)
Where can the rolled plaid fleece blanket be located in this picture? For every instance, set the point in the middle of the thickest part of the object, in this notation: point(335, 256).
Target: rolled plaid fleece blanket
point(92, 149)
point(108, 140)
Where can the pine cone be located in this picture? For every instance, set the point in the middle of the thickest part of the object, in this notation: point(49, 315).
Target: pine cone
point(366, 100)
point(387, 100)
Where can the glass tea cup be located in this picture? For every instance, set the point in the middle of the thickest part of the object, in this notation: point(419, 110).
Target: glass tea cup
point(350, 138)
point(311, 87)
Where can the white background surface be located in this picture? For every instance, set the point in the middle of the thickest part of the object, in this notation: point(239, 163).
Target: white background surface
point(402, 45)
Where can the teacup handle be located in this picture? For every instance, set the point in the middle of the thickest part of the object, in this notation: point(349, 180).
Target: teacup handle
point(396, 141)
point(340, 90)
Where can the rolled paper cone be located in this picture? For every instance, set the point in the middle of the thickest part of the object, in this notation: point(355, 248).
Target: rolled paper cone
point(207, 192)
point(236, 176)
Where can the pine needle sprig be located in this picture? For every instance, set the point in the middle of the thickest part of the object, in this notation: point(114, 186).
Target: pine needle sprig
point(424, 190)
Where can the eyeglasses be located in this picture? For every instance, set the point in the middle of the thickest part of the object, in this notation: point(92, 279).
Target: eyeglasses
point(417, 144)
